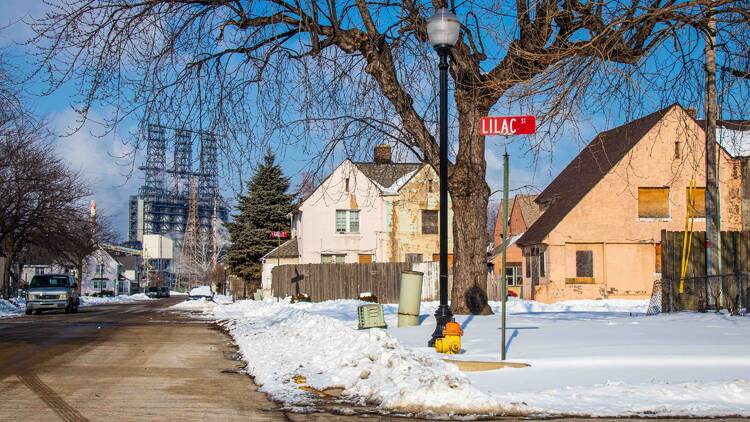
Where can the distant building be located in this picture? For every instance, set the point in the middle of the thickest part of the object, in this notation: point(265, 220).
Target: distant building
point(600, 229)
point(162, 205)
point(522, 213)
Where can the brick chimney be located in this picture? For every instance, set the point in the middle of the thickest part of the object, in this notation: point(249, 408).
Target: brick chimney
point(382, 154)
point(692, 113)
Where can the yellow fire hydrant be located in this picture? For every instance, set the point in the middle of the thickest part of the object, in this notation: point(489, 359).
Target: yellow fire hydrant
point(451, 341)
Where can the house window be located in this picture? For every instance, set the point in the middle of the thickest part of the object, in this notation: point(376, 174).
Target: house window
point(100, 269)
point(411, 258)
point(585, 264)
point(513, 275)
point(677, 150)
point(653, 202)
point(528, 266)
point(39, 270)
point(333, 258)
point(698, 208)
point(346, 184)
point(347, 221)
point(429, 222)
point(429, 185)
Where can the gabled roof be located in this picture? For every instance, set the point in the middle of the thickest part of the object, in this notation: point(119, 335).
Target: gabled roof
point(288, 249)
point(585, 171)
point(530, 210)
point(389, 178)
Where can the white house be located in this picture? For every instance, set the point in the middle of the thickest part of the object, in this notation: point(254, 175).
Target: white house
point(101, 272)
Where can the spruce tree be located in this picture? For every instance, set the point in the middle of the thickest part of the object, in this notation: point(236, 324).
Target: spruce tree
point(263, 209)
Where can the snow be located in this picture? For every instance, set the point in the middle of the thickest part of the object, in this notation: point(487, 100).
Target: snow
point(736, 142)
point(397, 185)
point(201, 291)
point(589, 357)
point(93, 301)
point(9, 309)
point(176, 293)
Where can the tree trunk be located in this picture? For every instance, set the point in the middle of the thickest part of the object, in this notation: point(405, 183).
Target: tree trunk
point(469, 196)
point(6, 278)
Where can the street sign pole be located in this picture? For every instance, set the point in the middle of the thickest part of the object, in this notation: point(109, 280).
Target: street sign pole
point(503, 278)
point(506, 126)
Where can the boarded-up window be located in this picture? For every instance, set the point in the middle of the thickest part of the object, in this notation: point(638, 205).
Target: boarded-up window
point(699, 202)
point(365, 258)
point(584, 263)
point(653, 202)
point(411, 258)
point(436, 258)
point(657, 257)
point(429, 222)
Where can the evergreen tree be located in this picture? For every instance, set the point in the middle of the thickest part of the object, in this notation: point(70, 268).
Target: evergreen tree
point(263, 209)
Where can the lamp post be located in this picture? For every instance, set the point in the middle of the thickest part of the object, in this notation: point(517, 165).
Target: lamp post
point(442, 30)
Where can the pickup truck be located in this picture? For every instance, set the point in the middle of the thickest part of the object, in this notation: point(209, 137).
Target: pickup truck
point(52, 291)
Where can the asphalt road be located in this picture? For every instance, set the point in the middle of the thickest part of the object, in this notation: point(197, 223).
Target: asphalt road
point(124, 363)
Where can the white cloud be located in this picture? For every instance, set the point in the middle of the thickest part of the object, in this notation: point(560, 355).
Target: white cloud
point(105, 162)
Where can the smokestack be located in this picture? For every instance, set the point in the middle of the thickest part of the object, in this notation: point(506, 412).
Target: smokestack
point(382, 154)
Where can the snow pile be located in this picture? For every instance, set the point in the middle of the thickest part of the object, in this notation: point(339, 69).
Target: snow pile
point(8, 309)
point(93, 301)
point(281, 342)
point(176, 293)
point(588, 358)
point(201, 291)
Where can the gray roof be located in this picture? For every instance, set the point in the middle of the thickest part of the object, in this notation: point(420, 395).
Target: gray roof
point(287, 249)
point(386, 175)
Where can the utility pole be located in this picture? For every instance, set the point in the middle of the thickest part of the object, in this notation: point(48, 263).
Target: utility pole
point(712, 215)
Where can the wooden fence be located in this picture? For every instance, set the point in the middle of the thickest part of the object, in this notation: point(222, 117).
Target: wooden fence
point(339, 281)
point(347, 281)
point(701, 292)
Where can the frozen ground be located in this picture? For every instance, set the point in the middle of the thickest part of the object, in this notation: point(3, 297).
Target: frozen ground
point(600, 358)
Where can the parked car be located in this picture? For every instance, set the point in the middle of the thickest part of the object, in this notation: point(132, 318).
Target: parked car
point(52, 291)
point(157, 292)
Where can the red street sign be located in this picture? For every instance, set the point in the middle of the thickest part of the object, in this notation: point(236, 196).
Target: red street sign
point(280, 234)
point(509, 125)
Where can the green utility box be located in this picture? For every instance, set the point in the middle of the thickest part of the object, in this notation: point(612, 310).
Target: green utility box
point(371, 316)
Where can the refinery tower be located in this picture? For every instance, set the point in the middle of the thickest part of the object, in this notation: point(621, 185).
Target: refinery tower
point(178, 192)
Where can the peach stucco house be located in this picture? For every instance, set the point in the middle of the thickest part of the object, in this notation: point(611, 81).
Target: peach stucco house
point(599, 232)
point(363, 212)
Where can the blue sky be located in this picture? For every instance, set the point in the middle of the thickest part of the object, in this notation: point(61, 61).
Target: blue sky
point(106, 160)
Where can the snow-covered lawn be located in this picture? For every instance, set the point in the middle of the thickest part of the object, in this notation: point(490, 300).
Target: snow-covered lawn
point(601, 358)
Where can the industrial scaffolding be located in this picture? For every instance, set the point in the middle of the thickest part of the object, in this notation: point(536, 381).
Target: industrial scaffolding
point(163, 203)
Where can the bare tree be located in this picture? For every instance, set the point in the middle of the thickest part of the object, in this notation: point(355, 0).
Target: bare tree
point(39, 196)
point(358, 72)
point(72, 244)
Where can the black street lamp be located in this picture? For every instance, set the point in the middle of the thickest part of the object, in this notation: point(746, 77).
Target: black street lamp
point(442, 30)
